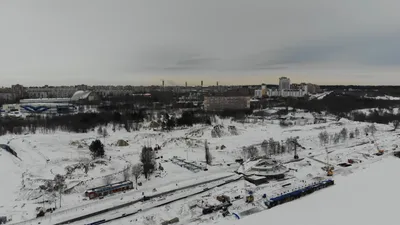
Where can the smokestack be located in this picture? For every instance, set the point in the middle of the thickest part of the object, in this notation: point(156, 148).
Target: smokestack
point(201, 83)
point(186, 84)
point(217, 83)
point(163, 83)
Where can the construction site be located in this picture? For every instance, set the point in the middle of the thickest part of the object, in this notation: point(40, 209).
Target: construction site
point(247, 176)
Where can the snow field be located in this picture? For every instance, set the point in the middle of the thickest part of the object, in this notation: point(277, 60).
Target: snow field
point(44, 155)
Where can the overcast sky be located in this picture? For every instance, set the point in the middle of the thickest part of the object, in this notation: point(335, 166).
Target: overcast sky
point(233, 41)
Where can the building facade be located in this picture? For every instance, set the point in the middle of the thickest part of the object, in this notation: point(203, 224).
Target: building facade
point(51, 92)
point(260, 93)
point(286, 89)
point(220, 103)
point(284, 83)
point(312, 88)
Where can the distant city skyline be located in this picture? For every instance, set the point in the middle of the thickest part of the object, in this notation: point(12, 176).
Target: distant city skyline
point(140, 42)
point(208, 81)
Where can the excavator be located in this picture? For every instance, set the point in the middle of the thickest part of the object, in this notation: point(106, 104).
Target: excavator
point(330, 172)
point(329, 168)
point(379, 151)
point(250, 197)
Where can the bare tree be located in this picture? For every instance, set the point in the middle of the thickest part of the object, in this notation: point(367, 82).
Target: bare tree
point(100, 131)
point(208, 154)
point(343, 134)
point(336, 138)
point(396, 124)
point(104, 134)
point(147, 157)
point(357, 132)
point(264, 147)
point(272, 146)
point(278, 147)
point(289, 144)
point(108, 179)
point(136, 171)
point(372, 129)
point(250, 152)
point(366, 130)
point(59, 182)
point(283, 147)
point(323, 137)
point(126, 173)
point(86, 167)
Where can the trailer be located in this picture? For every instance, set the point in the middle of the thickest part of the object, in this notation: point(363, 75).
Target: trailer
point(109, 189)
point(300, 192)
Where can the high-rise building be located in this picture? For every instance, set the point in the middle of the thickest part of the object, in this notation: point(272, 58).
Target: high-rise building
point(284, 83)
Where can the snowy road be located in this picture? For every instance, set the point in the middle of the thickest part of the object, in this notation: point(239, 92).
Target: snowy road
point(119, 201)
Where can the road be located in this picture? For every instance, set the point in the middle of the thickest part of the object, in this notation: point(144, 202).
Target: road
point(59, 217)
point(168, 200)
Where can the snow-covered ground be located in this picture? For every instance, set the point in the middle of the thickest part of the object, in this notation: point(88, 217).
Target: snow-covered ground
point(42, 156)
point(368, 111)
point(320, 96)
point(385, 97)
point(368, 197)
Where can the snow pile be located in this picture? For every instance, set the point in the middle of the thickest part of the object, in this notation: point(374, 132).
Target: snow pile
point(321, 95)
point(196, 132)
point(122, 143)
point(219, 131)
point(385, 97)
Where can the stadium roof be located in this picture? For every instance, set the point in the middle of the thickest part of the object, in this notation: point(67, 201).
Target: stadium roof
point(79, 95)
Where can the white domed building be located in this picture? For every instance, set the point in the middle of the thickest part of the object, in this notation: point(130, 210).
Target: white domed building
point(84, 97)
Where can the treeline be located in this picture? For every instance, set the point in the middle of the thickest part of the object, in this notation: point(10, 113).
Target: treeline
point(340, 104)
point(231, 113)
point(79, 123)
point(376, 116)
point(85, 122)
point(370, 90)
point(188, 118)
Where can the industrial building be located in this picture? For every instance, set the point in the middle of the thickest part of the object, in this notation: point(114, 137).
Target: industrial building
point(53, 105)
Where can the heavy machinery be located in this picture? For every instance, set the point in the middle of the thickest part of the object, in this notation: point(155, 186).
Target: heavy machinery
point(250, 197)
point(223, 198)
point(379, 151)
point(329, 167)
point(352, 161)
point(296, 144)
point(330, 172)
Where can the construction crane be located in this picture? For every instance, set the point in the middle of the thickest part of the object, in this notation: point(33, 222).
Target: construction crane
point(296, 144)
point(329, 168)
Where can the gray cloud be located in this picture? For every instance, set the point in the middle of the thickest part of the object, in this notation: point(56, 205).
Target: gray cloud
point(138, 41)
